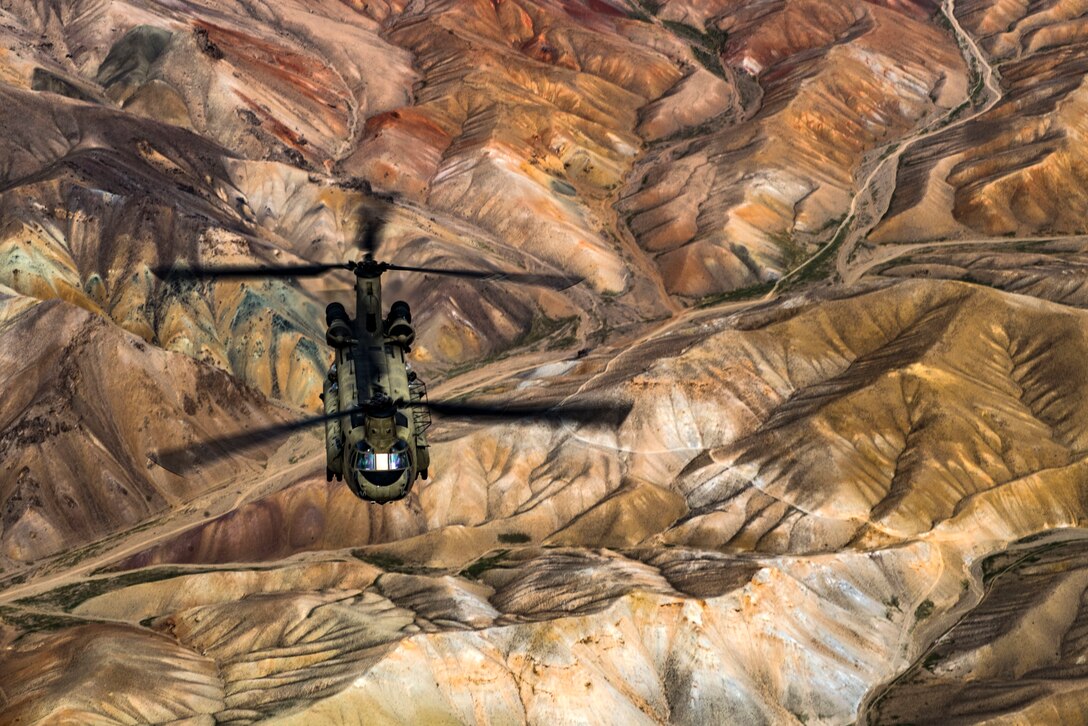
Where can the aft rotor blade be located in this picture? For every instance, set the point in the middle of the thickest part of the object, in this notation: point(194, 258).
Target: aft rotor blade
point(371, 227)
point(559, 282)
point(180, 459)
point(597, 414)
point(207, 272)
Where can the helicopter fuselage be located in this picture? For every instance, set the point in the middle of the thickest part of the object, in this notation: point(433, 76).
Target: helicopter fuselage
point(379, 452)
point(376, 411)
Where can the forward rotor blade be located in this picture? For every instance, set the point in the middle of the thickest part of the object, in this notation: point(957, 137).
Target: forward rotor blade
point(207, 272)
point(597, 414)
point(559, 282)
point(183, 458)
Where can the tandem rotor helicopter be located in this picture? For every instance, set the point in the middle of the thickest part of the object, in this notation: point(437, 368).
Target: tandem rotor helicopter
point(376, 407)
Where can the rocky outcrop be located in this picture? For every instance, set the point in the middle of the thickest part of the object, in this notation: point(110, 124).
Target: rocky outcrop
point(827, 502)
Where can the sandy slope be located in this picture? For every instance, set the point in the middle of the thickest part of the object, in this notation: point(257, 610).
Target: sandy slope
point(793, 523)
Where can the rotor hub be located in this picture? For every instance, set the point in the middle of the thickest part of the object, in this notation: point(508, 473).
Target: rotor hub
point(368, 267)
point(381, 405)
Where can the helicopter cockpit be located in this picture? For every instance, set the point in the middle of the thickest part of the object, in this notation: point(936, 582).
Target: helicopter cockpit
point(382, 469)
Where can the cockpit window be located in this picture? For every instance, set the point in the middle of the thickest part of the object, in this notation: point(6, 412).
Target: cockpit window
point(395, 460)
point(369, 461)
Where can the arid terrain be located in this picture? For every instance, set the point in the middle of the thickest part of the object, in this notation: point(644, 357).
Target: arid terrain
point(832, 255)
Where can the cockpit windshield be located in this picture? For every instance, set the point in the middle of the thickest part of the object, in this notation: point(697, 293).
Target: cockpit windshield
point(395, 460)
point(369, 461)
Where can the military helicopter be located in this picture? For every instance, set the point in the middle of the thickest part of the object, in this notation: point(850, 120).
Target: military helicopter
point(376, 407)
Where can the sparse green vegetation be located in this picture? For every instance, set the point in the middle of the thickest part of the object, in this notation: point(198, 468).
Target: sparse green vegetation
point(74, 557)
point(931, 661)
point(35, 622)
point(569, 339)
point(484, 564)
point(820, 265)
point(924, 610)
point(643, 10)
point(976, 78)
point(712, 39)
point(69, 597)
point(542, 327)
point(14, 580)
point(888, 151)
point(711, 125)
point(744, 293)
point(793, 252)
point(684, 30)
point(706, 46)
point(709, 60)
point(514, 538)
point(379, 559)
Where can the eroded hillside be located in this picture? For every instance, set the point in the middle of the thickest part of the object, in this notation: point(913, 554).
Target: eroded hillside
point(830, 260)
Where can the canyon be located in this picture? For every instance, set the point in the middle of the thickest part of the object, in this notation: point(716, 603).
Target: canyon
point(830, 257)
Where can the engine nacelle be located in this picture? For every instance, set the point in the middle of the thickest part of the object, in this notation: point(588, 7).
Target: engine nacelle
point(398, 326)
point(339, 334)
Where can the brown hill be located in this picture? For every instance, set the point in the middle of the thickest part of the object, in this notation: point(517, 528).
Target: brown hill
point(843, 496)
point(733, 203)
point(832, 567)
point(1018, 169)
point(87, 406)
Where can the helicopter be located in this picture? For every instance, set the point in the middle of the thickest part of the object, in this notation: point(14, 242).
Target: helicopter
point(376, 409)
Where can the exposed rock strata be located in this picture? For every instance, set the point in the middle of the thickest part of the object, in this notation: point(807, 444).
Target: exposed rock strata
point(1019, 169)
point(804, 495)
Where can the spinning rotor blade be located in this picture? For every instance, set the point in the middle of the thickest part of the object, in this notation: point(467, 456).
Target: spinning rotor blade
point(205, 272)
point(372, 221)
point(180, 459)
point(559, 282)
point(597, 414)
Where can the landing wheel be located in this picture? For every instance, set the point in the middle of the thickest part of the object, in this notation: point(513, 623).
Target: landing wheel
point(328, 474)
point(423, 474)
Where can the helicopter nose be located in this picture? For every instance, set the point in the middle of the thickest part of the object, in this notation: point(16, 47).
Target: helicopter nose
point(385, 492)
